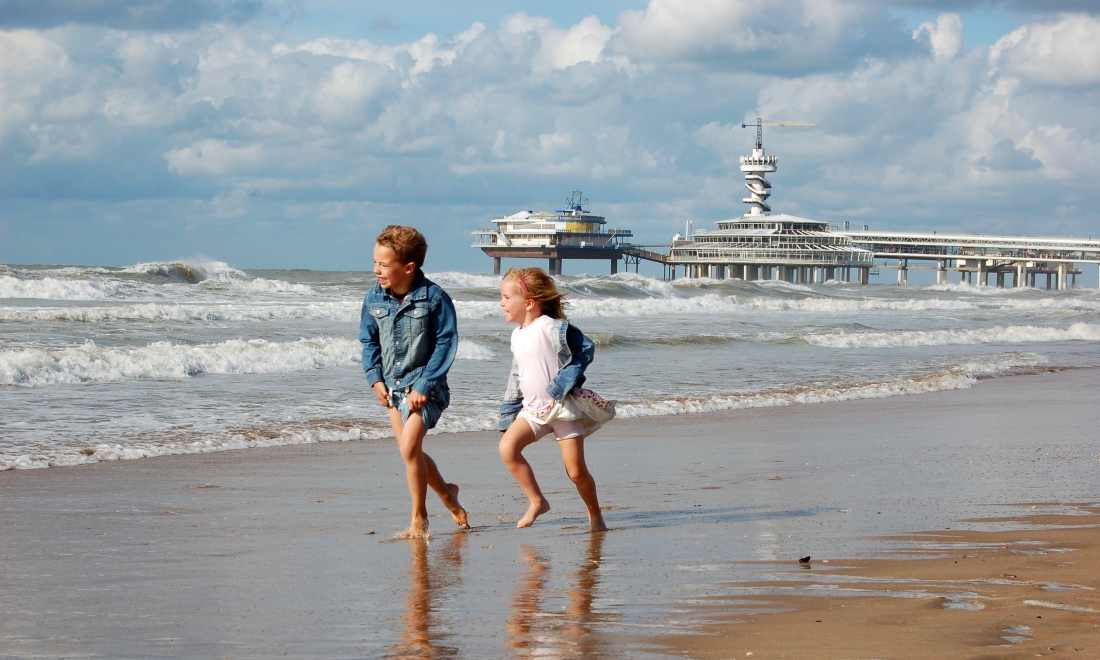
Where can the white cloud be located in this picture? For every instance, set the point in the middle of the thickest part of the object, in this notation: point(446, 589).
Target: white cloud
point(643, 114)
point(782, 35)
point(1066, 52)
point(945, 36)
point(213, 157)
point(560, 49)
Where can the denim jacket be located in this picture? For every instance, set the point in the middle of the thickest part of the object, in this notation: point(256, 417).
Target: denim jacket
point(410, 344)
point(575, 353)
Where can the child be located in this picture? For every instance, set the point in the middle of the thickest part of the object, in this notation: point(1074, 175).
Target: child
point(544, 394)
point(409, 333)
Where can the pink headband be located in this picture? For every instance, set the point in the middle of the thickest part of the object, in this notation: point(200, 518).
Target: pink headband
point(524, 285)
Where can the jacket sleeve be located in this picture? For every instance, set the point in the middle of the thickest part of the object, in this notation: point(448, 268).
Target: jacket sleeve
point(372, 351)
point(513, 400)
point(444, 323)
point(572, 374)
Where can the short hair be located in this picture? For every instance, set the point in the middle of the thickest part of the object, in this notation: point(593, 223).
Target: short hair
point(407, 244)
point(538, 286)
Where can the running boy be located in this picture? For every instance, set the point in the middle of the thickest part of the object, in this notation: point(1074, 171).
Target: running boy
point(544, 394)
point(409, 333)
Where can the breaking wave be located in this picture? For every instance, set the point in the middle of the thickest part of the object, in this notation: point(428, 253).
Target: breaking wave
point(1014, 334)
point(960, 376)
point(89, 363)
point(52, 288)
point(182, 271)
point(334, 311)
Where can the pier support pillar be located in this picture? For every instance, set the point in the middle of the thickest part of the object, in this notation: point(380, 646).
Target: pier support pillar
point(983, 274)
point(555, 266)
point(1000, 280)
point(903, 272)
point(1063, 276)
point(941, 272)
point(864, 275)
point(615, 266)
point(496, 265)
point(1021, 274)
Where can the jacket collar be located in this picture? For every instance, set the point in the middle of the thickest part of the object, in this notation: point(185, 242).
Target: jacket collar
point(419, 290)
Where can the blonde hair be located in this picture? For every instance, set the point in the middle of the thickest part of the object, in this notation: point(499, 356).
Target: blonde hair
point(538, 286)
point(408, 245)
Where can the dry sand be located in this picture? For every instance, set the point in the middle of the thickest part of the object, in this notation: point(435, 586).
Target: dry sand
point(277, 552)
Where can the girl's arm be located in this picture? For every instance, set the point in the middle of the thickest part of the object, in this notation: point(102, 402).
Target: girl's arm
point(513, 400)
point(572, 374)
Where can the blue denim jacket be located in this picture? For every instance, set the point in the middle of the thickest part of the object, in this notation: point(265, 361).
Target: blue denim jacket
point(410, 344)
point(575, 353)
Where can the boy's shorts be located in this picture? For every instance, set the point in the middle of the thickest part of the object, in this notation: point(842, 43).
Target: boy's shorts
point(429, 412)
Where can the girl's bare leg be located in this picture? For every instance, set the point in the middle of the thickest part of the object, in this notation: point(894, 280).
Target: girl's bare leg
point(512, 444)
point(572, 453)
point(421, 472)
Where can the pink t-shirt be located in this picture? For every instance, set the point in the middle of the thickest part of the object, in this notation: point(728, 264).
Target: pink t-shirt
point(537, 361)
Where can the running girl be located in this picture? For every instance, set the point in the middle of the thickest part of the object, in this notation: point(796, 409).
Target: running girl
point(544, 394)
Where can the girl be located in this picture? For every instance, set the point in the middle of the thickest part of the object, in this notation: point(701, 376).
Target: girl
point(544, 394)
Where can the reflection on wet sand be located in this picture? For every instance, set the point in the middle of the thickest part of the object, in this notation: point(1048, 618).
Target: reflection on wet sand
point(424, 636)
point(536, 627)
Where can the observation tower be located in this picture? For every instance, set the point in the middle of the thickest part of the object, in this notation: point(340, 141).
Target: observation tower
point(761, 246)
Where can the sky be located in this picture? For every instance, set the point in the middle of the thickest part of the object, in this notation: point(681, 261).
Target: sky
point(288, 133)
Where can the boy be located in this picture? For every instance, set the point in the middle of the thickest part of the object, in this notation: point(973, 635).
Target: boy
point(409, 333)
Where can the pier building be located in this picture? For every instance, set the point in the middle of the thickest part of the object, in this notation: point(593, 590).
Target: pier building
point(573, 233)
point(761, 246)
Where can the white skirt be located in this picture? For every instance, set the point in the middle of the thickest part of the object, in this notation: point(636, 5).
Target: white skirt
point(580, 404)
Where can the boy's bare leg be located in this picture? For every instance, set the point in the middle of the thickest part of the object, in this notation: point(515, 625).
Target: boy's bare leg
point(572, 452)
point(512, 444)
point(420, 472)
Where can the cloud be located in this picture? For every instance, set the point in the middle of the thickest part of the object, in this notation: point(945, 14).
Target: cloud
point(228, 120)
point(944, 36)
point(1032, 6)
point(1066, 52)
point(1005, 156)
point(125, 14)
point(780, 36)
point(559, 49)
point(214, 157)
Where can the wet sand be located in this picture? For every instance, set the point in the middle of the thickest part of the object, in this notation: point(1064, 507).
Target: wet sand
point(1030, 592)
point(283, 551)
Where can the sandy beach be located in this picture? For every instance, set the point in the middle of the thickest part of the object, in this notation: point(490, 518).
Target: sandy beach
point(285, 551)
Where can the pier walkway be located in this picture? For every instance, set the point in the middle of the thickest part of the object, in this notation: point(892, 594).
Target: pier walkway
point(978, 256)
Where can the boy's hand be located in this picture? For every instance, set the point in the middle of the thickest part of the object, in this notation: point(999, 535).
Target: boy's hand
point(416, 400)
point(382, 393)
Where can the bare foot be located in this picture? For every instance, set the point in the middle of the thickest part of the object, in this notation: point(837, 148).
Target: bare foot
point(596, 524)
point(417, 530)
point(457, 512)
point(534, 511)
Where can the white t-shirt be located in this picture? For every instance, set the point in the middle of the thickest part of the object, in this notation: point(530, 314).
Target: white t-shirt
point(537, 361)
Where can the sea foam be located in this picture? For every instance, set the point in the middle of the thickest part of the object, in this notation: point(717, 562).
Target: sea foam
point(52, 288)
point(1014, 334)
point(960, 376)
point(89, 363)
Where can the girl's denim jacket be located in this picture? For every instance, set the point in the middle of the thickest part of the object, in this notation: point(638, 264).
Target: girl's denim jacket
point(575, 353)
point(410, 344)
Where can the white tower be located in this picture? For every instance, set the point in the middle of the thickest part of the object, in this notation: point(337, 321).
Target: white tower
point(754, 167)
point(758, 164)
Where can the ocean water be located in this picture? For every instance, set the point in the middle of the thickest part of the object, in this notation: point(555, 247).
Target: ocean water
point(167, 358)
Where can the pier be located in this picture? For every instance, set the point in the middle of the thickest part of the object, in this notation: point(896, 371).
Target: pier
point(572, 233)
point(1016, 261)
point(761, 246)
